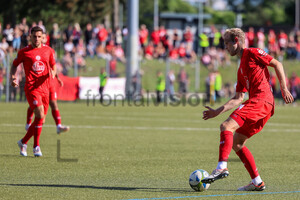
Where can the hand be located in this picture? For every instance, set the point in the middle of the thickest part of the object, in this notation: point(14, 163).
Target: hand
point(14, 82)
point(287, 96)
point(61, 83)
point(210, 113)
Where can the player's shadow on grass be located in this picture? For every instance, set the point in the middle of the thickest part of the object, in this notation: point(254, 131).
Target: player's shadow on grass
point(141, 189)
point(148, 189)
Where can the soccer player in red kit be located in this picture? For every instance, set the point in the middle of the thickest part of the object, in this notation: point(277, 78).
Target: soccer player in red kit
point(250, 117)
point(39, 64)
point(53, 102)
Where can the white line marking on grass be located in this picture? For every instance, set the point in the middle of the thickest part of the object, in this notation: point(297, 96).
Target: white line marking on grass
point(154, 128)
point(219, 195)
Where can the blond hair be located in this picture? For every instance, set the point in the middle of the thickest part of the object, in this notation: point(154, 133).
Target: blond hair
point(232, 33)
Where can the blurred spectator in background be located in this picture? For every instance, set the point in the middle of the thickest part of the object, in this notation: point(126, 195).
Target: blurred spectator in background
point(67, 63)
point(81, 48)
point(250, 36)
point(183, 80)
point(8, 33)
point(67, 35)
point(272, 44)
point(282, 43)
point(17, 39)
point(22, 85)
point(261, 39)
point(23, 25)
point(41, 25)
point(273, 83)
point(160, 86)
point(54, 36)
point(113, 67)
point(119, 53)
point(3, 51)
point(155, 37)
point(294, 82)
point(171, 81)
point(118, 37)
point(188, 37)
point(291, 50)
point(143, 36)
point(102, 35)
point(24, 37)
point(203, 42)
point(2, 74)
point(88, 34)
point(160, 51)
point(149, 51)
point(218, 86)
point(176, 38)
point(76, 34)
point(103, 79)
point(69, 47)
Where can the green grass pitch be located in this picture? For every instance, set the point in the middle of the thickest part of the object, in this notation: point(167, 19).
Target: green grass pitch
point(123, 152)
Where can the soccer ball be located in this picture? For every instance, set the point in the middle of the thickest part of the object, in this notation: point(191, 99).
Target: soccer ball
point(195, 180)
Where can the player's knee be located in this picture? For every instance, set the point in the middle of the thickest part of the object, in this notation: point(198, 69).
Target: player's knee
point(225, 127)
point(237, 146)
point(53, 105)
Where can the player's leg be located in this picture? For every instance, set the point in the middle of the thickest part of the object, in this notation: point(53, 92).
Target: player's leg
point(239, 141)
point(29, 118)
point(38, 126)
point(226, 141)
point(33, 101)
point(57, 118)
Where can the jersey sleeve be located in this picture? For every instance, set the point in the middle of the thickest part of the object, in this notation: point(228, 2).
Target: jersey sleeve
point(261, 56)
point(19, 59)
point(52, 58)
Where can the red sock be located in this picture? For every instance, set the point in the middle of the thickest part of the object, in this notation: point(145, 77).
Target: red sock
point(29, 134)
point(29, 115)
point(248, 160)
point(56, 117)
point(38, 125)
point(226, 141)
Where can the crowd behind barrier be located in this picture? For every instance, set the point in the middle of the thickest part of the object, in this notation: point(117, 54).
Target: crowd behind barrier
point(75, 44)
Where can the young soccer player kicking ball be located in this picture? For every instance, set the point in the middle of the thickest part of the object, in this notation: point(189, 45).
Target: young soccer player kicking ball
point(53, 103)
point(39, 65)
point(250, 117)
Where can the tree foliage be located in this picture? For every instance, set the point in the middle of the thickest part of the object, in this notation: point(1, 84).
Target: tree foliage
point(63, 12)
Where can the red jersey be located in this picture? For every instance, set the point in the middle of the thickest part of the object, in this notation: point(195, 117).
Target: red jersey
point(37, 63)
point(155, 37)
point(102, 35)
point(143, 33)
point(253, 75)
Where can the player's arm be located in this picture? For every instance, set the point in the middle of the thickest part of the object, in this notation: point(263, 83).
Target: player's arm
point(61, 83)
point(13, 78)
point(232, 103)
point(287, 96)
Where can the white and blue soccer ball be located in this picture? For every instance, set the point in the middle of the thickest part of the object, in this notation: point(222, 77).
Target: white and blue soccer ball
point(195, 180)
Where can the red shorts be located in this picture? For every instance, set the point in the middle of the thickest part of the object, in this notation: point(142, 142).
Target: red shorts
point(36, 99)
point(251, 116)
point(52, 93)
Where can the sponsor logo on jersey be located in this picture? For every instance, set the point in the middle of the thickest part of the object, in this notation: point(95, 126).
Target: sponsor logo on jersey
point(38, 67)
point(241, 106)
point(261, 52)
point(38, 57)
point(35, 102)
